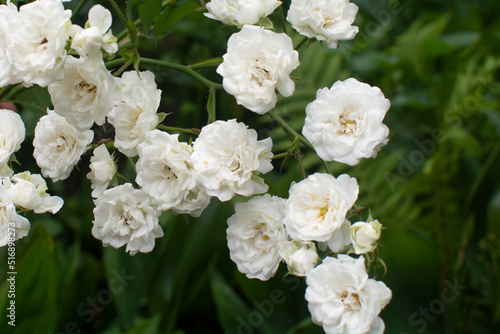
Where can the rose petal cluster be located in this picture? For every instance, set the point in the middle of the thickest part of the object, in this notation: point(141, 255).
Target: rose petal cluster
point(228, 158)
point(240, 12)
point(253, 235)
point(12, 225)
point(12, 133)
point(342, 298)
point(127, 216)
point(300, 257)
point(102, 170)
point(365, 235)
point(83, 97)
point(326, 20)
point(257, 63)
point(317, 206)
point(135, 112)
point(37, 47)
point(344, 123)
point(58, 146)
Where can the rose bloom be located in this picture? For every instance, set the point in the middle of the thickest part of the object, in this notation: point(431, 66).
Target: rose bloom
point(28, 192)
point(341, 238)
point(317, 206)
point(257, 63)
point(228, 158)
point(83, 97)
point(12, 133)
point(300, 257)
point(8, 24)
point(342, 298)
point(194, 202)
point(240, 12)
point(125, 215)
point(102, 170)
point(9, 219)
point(344, 123)
point(96, 35)
point(326, 20)
point(253, 235)
point(365, 236)
point(58, 146)
point(37, 49)
point(135, 112)
point(164, 169)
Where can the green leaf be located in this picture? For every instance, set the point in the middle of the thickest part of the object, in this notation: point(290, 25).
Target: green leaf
point(36, 287)
point(265, 22)
point(149, 12)
point(211, 106)
point(168, 18)
point(148, 326)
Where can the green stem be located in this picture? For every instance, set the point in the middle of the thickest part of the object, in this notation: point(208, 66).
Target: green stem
point(119, 12)
point(282, 16)
point(294, 133)
point(78, 9)
point(207, 64)
point(282, 155)
point(176, 129)
point(120, 176)
point(305, 39)
point(124, 67)
point(182, 68)
point(11, 92)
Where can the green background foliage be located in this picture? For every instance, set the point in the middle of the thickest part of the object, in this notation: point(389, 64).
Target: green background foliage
point(435, 186)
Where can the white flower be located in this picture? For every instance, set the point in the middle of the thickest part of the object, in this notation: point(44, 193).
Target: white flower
point(228, 157)
point(257, 63)
point(96, 35)
point(326, 20)
point(12, 225)
point(83, 97)
point(365, 236)
point(300, 257)
point(12, 133)
point(9, 21)
point(125, 215)
point(344, 123)
point(28, 191)
point(240, 12)
point(253, 235)
point(37, 51)
point(194, 202)
point(164, 169)
point(343, 299)
point(341, 238)
point(317, 206)
point(58, 146)
point(135, 113)
point(102, 170)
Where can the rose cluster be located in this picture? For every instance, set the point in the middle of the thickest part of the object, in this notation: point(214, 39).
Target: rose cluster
point(343, 124)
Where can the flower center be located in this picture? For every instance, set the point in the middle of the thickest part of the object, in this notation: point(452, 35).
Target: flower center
point(350, 300)
point(350, 124)
point(83, 88)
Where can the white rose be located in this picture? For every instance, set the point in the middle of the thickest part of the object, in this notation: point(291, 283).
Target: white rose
point(135, 112)
point(12, 133)
point(300, 257)
point(96, 35)
point(317, 206)
point(257, 63)
point(9, 21)
point(102, 170)
point(341, 238)
point(12, 225)
point(83, 97)
point(240, 12)
point(228, 158)
point(253, 235)
point(193, 203)
point(344, 123)
point(343, 299)
point(58, 146)
point(365, 236)
point(125, 215)
point(164, 169)
point(326, 20)
point(38, 49)
point(28, 191)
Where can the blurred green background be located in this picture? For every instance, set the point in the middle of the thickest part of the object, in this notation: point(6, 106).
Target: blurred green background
point(435, 186)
